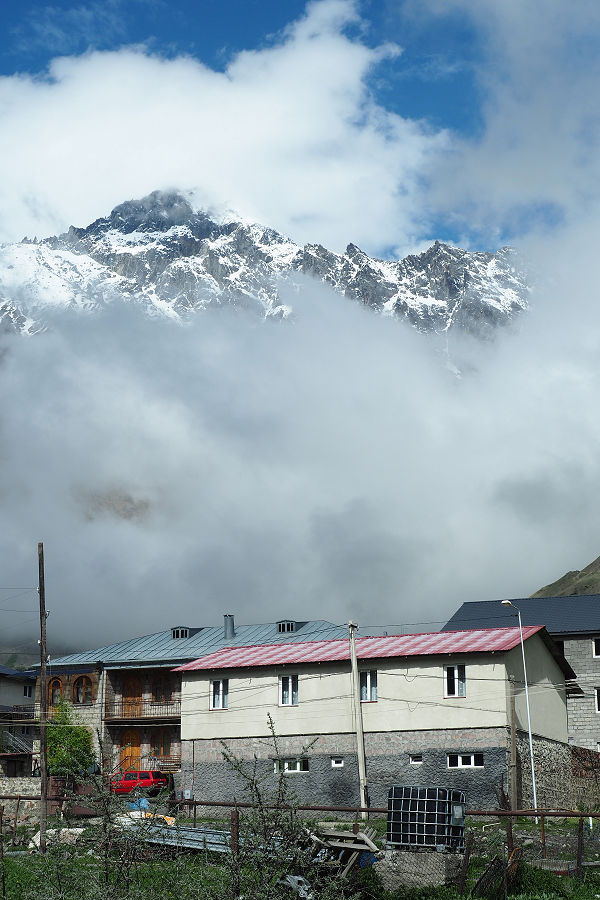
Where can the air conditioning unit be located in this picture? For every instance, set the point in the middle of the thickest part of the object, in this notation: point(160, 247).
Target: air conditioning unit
point(426, 818)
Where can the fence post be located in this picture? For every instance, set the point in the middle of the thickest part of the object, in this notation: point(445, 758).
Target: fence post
point(195, 812)
point(3, 872)
point(543, 838)
point(579, 863)
point(235, 849)
point(462, 875)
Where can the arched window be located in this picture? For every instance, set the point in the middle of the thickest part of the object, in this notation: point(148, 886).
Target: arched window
point(55, 690)
point(82, 690)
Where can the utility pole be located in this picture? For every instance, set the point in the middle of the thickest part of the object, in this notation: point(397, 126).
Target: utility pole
point(360, 740)
point(43, 703)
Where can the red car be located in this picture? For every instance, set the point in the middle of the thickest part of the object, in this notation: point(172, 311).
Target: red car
point(148, 782)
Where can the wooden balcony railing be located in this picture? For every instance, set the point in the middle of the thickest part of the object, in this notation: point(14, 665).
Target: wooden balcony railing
point(142, 709)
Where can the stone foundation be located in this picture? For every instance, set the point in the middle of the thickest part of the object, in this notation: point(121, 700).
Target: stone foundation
point(28, 809)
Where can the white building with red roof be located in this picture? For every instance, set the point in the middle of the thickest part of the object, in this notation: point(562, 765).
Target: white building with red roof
point(445, 709)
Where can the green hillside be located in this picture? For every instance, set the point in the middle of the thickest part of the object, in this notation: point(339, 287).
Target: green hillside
point(586, 581)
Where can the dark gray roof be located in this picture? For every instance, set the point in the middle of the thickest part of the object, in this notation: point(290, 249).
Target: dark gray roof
point(14, 673)
point(560, 615)
point(161, 648)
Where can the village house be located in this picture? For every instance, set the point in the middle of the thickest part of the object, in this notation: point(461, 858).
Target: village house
point(129, 695)
point(574, 624)
point(442, 709)
point(16, 721)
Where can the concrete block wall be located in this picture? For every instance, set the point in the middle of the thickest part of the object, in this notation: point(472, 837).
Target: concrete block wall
point(584, 720)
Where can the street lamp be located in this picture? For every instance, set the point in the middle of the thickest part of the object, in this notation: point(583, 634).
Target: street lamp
point(509, 603)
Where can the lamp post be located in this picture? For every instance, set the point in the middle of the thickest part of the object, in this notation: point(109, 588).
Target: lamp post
point(509, 603)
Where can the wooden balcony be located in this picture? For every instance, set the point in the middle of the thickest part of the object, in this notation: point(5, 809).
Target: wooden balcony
point(142, 710)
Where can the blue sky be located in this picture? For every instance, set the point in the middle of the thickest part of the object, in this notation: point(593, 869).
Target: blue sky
point(388, 123)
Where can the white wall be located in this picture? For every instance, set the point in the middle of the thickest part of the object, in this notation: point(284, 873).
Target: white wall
point(11, 693)
point(410, 697)
point(546, 683)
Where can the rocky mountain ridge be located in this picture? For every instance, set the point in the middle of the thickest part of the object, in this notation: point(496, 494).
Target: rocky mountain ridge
point(161, 253)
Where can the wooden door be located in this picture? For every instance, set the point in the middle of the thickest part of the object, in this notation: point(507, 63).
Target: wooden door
point(130, 749)
point(132, 696)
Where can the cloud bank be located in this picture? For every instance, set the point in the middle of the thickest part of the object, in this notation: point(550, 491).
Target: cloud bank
point(289, 135)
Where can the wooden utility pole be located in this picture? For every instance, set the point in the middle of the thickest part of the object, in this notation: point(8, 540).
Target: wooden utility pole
point(43, 704)
point(360, 739)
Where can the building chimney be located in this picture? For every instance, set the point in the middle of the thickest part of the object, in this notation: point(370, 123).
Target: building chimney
point(228, 627)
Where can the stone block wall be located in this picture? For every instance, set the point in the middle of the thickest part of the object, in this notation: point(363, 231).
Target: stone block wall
point(28, 809)
point(553, 767)
point(208, 776)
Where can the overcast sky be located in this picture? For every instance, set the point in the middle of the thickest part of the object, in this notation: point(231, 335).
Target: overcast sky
point(334, 467)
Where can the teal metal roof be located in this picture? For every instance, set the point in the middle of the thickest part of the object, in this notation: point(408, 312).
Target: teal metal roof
point(162, 649)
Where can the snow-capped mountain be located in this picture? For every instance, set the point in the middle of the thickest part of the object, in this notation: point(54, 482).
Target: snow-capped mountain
point(159, 252)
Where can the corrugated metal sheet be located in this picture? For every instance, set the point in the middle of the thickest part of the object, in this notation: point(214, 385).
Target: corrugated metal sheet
point(161, 648)
point(560, 615)
point(480, 641)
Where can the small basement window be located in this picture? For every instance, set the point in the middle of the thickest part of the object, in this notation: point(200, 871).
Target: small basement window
point(416, 759)
point(337, 762)
point(178, 633)
point(286, 626)
point(297, 764)
point(465, 760)
point(596, 646)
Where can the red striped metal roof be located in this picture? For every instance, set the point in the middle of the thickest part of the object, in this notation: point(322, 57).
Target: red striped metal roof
point(483, 640)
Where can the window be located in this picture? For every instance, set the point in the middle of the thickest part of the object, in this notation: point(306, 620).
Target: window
point(455, 684)
point(465, 760)
point(178, 633)
point(161, 742)
point(597, 693)
point(368, 686)
point(28, 690)
point(288, 690)
point(55, 692)
point(337, 762)
point(298, 764)
point(25, 729)
point(596, 646)
point(416, 759)
point(219, 693)
point(82, 690)
point(161, 690)
point(286, 626)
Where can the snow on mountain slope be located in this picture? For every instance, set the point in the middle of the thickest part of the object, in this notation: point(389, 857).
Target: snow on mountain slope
point(173, 260)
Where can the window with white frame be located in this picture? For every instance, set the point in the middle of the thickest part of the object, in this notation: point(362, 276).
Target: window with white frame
point(288, 690)
point(455, 682)
point(295, 764)
point(596, 646)
point(368, 686)
point(465, 760)
point(597, 693)
point(337, 762)
point(416, 759)
point(27, 690)
point(219, 693)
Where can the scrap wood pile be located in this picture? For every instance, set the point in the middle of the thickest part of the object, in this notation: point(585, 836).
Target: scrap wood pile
point(341, 850)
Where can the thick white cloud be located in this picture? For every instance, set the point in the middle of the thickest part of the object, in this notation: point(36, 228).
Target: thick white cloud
point(536, 159)
point(289, 135)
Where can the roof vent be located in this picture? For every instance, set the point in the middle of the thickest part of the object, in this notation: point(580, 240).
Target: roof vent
point(228, 627)
point(180, 632)
point(286, 626)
